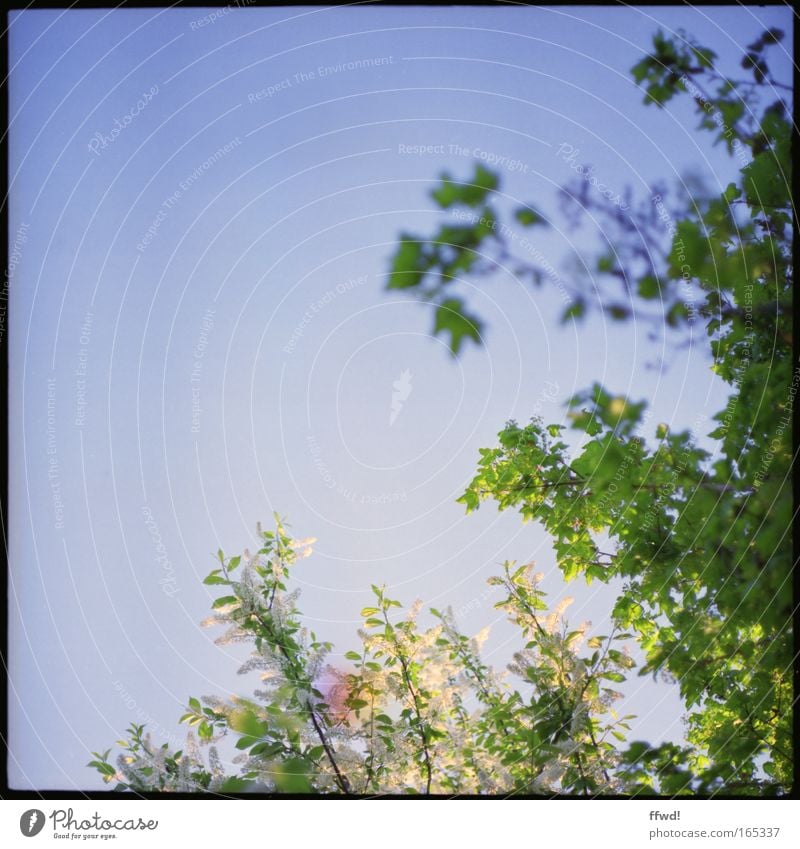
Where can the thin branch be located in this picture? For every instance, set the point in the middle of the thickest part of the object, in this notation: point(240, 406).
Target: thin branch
point(415, 703)
point(341, 779)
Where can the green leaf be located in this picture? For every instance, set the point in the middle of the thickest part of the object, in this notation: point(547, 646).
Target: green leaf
point(292, 776)
point(471, 193)
point(704, 56)
point(576, 309)
point(448, 193)
point(408, 265)
point(690, 249)
point(235, 784)
point(590, 460)
point(733, 192)
point(451, 319)
point(649, 287)
point(528, 217)
point(247, 723)
point(764, 184)
point(214, 578)
point(613, 676)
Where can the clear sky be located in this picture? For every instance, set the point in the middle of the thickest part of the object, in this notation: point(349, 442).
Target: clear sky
point(203, 205)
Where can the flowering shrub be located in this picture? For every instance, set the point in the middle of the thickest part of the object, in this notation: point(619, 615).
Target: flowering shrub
point(419, 711)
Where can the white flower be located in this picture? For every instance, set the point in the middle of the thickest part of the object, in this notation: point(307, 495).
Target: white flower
point(552, 621)
point(302, 547)
point(480, 638)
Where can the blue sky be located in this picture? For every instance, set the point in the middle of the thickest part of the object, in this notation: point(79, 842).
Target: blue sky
point(200, 334)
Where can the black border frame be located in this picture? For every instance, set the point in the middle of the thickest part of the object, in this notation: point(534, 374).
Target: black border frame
point(6, 792)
